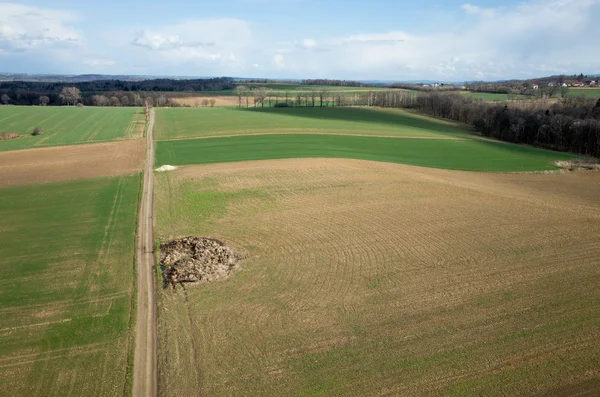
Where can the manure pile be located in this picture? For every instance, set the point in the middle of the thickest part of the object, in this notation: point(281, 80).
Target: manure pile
point(195, 260)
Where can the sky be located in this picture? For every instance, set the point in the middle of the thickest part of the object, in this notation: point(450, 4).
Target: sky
point(296, 39)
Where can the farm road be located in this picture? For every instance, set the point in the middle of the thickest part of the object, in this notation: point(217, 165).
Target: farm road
point(145, 364)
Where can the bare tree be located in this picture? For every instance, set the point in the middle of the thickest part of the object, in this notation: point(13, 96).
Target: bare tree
point(124, 100)
point(161, 100)
point(313, 95)
point(70, 95)
point(212, 102)
point(99, 100)
point(240, 91)
point(205, 102)
point(260, 95)
point(322, 95)
point(564, 91)
point(5, 99)
point(137, 100)
point(114, 101)
point(44, 100)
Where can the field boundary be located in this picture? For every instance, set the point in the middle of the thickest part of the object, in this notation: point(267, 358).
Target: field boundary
point(145, 361)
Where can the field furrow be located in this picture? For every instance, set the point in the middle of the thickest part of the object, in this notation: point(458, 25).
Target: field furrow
point(365, 278)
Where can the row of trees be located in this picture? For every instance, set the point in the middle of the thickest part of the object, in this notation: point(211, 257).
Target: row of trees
point(263, 96)
point(571, 124)
point(28, 92)
point(70, 96)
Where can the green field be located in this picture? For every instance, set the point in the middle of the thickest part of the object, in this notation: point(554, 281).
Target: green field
point(68, 125)
point(178, 123)
point(67, 258)
point(587, 92)
point(486, 96)
point(282, 88)
point(326, 132)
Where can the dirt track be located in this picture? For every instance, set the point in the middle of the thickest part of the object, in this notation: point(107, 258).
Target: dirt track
point(22, 167)
point(144, 369)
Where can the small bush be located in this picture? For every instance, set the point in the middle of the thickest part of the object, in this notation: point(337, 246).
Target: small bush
point(37, 131)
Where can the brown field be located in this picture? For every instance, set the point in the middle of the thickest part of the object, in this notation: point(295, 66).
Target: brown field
point(196, 102)
point(366, 278)
point(22, 167)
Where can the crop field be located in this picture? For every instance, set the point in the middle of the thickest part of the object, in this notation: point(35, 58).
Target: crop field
point(183, 123)
point(364, 278)
point(282, 88)
point(367, 134)
point(587, 92)
point(487, 96)
point(67, 260)
point(68, 125)
point(52, 164)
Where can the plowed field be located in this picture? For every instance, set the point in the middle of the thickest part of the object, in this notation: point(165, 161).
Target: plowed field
point(366, 278)
point(22, 167)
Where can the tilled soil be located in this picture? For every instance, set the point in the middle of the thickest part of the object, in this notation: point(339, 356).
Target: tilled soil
point(53, 164)
point(195, 260)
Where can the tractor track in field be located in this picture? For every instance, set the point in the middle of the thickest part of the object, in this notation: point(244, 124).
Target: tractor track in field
point(145, 362)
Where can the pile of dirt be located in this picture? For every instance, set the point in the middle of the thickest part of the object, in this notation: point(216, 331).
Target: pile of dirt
point(5, 136)
point(579, 165)
point(196, 260)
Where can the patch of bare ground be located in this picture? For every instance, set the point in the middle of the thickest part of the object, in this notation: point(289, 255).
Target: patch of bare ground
point(198, 101)
point(5, 136)
point(365, 278)
point(195, 260)
point(579, 165)
point(22, 167)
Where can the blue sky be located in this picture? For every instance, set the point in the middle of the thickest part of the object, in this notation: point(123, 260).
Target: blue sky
point(377, 39)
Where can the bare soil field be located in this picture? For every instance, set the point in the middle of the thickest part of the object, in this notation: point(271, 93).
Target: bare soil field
point(220, 101)
point(365, 278)
point(27, 166)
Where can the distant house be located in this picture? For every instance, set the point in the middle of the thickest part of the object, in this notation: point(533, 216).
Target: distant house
point(551, 84)
point(536, 86)
point(593, 82)
point(436, 85)
point(564, 85)
point(578, 84)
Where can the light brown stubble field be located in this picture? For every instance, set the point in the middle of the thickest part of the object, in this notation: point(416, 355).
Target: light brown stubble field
point(27, 166)
point(366, 278)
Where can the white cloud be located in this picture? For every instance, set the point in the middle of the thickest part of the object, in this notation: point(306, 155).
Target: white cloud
point(306, 44)
point(532, 38)
point(475, 10)
point(24, 28)
point(218, 40)
point(502, 43)
point(279, 61)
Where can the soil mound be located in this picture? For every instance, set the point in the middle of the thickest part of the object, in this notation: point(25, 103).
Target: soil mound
point(5, 136)
point(579, 165)
point(196, 260)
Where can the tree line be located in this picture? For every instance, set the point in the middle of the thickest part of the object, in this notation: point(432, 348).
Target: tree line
point(570, 125)
point(29, 92)
point(72, 96)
